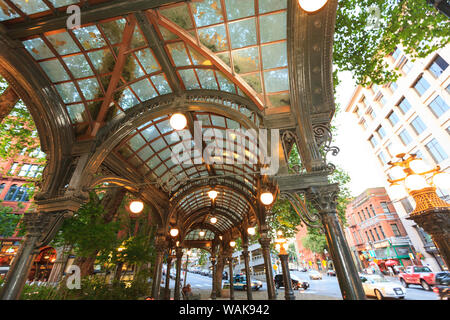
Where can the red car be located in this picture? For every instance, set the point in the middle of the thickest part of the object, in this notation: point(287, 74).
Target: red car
point(418, 275)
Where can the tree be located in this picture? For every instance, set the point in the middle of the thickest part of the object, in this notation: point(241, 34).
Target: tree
point(368, 30)
point(8, 221)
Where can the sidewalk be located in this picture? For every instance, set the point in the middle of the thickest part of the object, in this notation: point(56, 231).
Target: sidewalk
point(262, 295)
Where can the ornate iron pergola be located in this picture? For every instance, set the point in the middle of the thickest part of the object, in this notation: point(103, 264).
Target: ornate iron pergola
point(102, 95)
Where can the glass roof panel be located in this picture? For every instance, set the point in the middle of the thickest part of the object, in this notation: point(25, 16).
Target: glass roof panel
point(128, 99)
point(239, 8)
point(189, 79)
point(145, 153)
point(148, 61)
point(273, 27)
point(63, 43)
point(270, 5)
point(246, 60)
point(277, 80)
point(224, 83)
point(159, 144)
point(77, 113)
point(161, 84)
point(30, 7)
point(101, 60)
point(78, 65)
point(37, 48)
point(254, 80)
point(144, 90)
point(207, 12)
point(214, 38)
point(90, 88)
point(243, 33)
point(179, 15)
point(274, 55)
point(114, 30)
point(179, 54)
point(136, 142)
point(55, 71)
point(68, 92)
point(150, 133)
point(89, 37)
point(62, 3)
point(6, 12)
point(207, 79)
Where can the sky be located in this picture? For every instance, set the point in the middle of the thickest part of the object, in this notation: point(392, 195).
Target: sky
point(356, 156)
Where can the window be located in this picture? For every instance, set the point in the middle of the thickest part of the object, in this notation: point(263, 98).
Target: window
point(373, 210)
point(393, 118)
point(375, 88)
point(421, 86)
point(372, 114)
point(16, 194)
point(383, 100)
point(418, 153)
point(406, 68)
point(393, 86)
point(368, 213)
point(2, 186)
point(364, 124)
point(385, 207)
point(448, 89)
point(13, 168)
point(378, 235)
point(395, 230)
point(405, 137)
point(418, 125)
point(436, 151)
point(382, 158)
point(438, 66)
point(373, 141)
point(382, 232)
point(438, 106)
point(30, 171)
point(367, 235)
point(381, 132)
point(359, 214)
point(396, 53)
point(404, 105)
point(373, 237)
point(363, 102)
point(364, 214)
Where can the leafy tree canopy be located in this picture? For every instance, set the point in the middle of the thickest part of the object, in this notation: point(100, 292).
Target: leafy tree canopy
point(369, 30)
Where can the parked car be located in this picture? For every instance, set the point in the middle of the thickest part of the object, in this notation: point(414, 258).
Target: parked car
point(331, 273)
point(240, 283)
point(303, 270)
point(417, 275)
point(381, 287)
point(442, 285)
point(315, 275)
point(297, 282)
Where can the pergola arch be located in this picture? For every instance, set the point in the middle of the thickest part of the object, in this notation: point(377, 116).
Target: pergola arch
point(193, 217)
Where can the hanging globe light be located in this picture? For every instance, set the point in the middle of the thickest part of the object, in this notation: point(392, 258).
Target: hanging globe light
point(201, 233)
point(136, 206)
point(213, 220)
point(178, 121)
point(312, 5)
point(212, 194)
point(174, 232)
point(442, 180)
point(419, 166)
point(251, 231)
point(397, 172)
point(232, 244)
point(267, 198)
point(398, 191)
point(416, 182)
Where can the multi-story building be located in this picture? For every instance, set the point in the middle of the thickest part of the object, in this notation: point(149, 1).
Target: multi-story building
point(375, 232)
point(410, 115)
point(307, 258)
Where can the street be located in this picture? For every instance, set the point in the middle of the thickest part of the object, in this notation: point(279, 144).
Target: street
point(327, 287)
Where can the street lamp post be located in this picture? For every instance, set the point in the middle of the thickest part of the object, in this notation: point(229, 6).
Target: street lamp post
point(431, 212)
point(186, 268)
point(281, 245)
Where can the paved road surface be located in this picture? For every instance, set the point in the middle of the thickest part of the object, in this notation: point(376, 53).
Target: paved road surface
point(327, 287)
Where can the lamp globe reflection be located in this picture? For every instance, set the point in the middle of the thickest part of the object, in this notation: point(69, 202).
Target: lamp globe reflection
point(136, 206)
point(312, 5)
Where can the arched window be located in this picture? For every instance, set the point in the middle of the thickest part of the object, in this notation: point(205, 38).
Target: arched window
point(2, 186)
point(12, 190)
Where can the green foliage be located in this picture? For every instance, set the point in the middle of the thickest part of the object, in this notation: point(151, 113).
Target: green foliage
point(88, 233)
point(8, 221)
point(358, 48)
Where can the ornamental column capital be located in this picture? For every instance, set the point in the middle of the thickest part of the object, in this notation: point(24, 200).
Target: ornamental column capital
point(324, 198)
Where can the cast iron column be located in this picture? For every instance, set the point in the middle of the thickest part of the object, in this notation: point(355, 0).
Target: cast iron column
point(160, 248)
point(179, 255)
point(288, 293)
point(213, 293)
point(247, 271)
point(325, 201)
point(230, 265)
point(265, 245)
point(167, 289)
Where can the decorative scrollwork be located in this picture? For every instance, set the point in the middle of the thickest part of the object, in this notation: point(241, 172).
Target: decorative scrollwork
point(310, 219)
point(324, 139)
